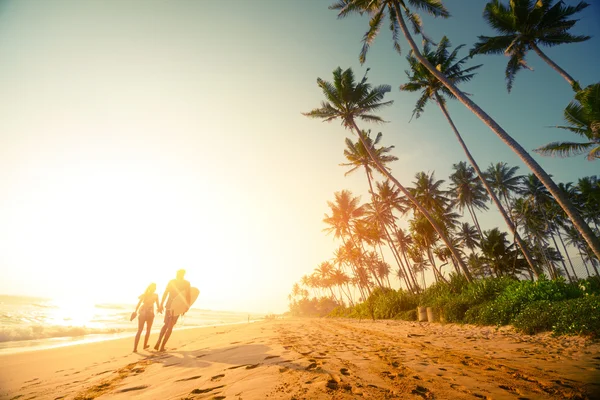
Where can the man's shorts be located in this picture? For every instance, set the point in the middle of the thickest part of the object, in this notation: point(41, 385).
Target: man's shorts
point(170, 318)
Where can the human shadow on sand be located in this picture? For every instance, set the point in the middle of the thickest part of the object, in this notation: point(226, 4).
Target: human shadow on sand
point(248, 356)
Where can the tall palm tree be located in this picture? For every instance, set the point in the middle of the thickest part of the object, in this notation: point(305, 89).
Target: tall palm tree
point(468, 191)
point(583, 117)
point(421, 80)
point(504, 181)
point(345, 210)
point(525, 25)
point(468, 236)
point(348, 101)
point(377, 9)
point(358, 157)
point(497, 252)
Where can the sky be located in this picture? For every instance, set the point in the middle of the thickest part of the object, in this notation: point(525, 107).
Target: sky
point(141, 137)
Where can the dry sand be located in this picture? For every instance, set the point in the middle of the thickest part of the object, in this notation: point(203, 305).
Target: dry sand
point(315, 359)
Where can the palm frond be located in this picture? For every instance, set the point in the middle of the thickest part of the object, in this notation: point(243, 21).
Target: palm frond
point(499, 17)
point(432, 7)
point(492, 44)
point(369, 37)
point(561, 38)
point(564, 149)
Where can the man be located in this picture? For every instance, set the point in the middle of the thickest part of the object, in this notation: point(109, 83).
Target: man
point(175, 287)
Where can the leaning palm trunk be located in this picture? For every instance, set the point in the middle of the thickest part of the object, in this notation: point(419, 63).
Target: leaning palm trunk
point(562, 242)
point(387, 235)
point(565, 204)
point(435, 225)
point(495, 199)
point(555, 67)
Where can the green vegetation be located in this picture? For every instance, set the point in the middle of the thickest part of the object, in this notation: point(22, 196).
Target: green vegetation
point(531, 307)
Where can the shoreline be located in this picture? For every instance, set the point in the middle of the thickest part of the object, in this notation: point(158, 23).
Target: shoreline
point(315, 358)
point(67, 341)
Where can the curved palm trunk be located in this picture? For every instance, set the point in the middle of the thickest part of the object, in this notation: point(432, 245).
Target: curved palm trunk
point(387, 235)
point(574, 84)
point(410, 270)
point(352, 266)
point(562, 259)
point(560, 197)
point(475, 220)
point(437, 228)
point(587, 271)
point(488, 188)
point(567, 253)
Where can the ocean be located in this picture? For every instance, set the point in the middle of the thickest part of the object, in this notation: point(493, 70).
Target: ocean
point(30, 323)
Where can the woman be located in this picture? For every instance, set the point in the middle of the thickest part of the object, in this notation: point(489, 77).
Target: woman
point(146, 315)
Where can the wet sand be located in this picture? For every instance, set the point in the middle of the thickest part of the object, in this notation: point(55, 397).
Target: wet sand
point(315, 359)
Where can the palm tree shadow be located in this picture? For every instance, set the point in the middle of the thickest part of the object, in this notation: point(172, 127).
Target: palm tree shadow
point(248, 356)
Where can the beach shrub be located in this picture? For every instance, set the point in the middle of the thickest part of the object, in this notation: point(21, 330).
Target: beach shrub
point(409, 315)
point(578, 317)
point(486, 289)
point(519, 294)
point(590, 286)
point(473, 314)
point(433, 294)
point(454, 309)
point(387, 303)
point(538, 316)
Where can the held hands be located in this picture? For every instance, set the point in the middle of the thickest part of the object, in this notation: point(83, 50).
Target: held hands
point(160, 309)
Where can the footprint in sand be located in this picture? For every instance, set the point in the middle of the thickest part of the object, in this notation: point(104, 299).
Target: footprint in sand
point(200, 391)
point(311, 366)
point(189, 379)
point(131, 389)
point(344, 371)
point(217, 377)
point(238, 366)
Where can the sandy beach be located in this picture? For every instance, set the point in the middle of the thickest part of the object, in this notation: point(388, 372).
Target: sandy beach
point(315, 358)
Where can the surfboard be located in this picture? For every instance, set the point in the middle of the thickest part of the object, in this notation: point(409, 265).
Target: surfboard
point(179, 304)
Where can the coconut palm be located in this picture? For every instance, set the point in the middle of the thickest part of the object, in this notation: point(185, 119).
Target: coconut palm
point(431, 88)
point(583, 117)
point(497, 252)
point(468, 191)
point(345, 210)
point(468, 236)
point(358, 157)
point(349, 101)
point(525, 25)
point(504, 181)
point(377, 10)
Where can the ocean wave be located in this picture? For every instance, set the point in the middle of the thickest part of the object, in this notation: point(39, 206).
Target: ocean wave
point(42, 305)
point(48, 332)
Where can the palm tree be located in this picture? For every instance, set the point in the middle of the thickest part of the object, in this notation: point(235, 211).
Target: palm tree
point(345, 210)
point(377, 11)
point(468, 191)
point(497, 252)
point(349, 101)
point(468, 236)
point(523, 26)
point(583, 117)
point(358, 157)
point(504, 181)
point(421, 80)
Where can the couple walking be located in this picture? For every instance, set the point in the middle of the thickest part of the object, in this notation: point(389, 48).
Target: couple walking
point(146, 304)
